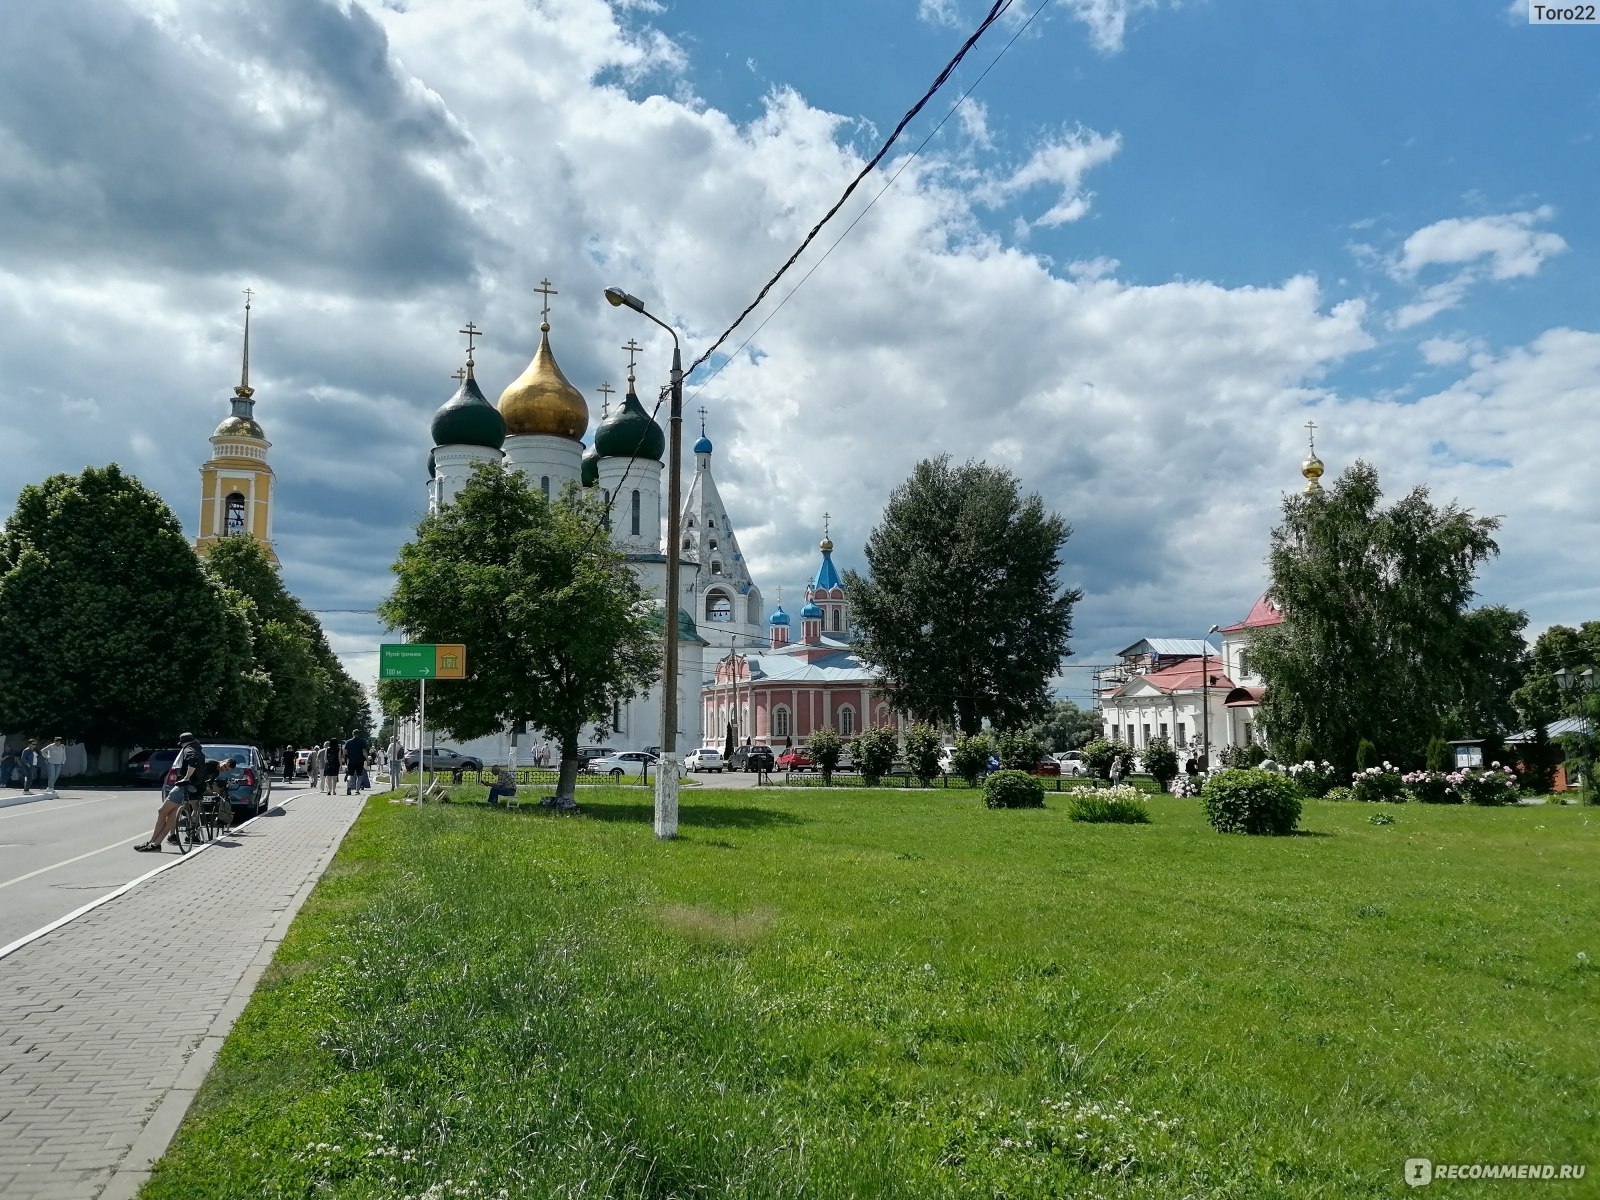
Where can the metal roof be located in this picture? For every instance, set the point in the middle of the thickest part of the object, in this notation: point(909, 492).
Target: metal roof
point(1170, 648)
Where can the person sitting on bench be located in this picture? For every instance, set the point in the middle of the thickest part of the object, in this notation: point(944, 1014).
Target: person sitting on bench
point(503, 785)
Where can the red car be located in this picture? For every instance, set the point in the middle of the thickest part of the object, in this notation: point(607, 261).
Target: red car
point(795, 760)
point(1047, 766)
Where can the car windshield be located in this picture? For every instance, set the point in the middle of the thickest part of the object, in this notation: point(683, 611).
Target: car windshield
point(240, 754)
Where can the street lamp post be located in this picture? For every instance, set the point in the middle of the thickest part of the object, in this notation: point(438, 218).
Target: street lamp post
point(669, 769)
point(1205, 700)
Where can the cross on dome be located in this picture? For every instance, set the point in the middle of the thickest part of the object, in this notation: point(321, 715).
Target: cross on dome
point(633, 348)
point(473, 334)
point(1311, 426)
point(546, 291)
point(702, 420)
point(606, 391)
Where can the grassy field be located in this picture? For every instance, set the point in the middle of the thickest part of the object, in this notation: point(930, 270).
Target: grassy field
point(869, 994)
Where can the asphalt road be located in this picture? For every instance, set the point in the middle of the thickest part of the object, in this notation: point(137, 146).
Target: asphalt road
point(59, 854)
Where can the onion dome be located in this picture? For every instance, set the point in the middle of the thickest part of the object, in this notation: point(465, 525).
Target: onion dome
point(467, 419)
point(1312, 469)
point(779, 618)
point(541, 401)
point(589, 468)
point(811, 613)
point(629, 432)
point(237, 426)
point(703, 446)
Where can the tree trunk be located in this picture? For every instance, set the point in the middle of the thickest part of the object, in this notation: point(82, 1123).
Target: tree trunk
point(567, 784)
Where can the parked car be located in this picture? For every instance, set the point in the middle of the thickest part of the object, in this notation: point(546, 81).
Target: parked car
point(257, 778)
point(443, 758)
point(628, 762)
point(302, 762)
point(1047, 767)
point(148, 768)
point(707, 758)
point(795, 760)
point(1072, 762)
point(759, 759)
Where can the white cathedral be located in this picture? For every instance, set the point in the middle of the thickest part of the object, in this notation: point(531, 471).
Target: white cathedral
point(537, 428)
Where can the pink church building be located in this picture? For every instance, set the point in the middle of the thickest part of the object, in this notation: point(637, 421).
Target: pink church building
point(781, 694)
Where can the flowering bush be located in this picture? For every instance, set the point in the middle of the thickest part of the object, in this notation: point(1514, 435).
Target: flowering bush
point(1123, 791)
point(1313, 778)
point(1379, 785)
point(1187, 785)
point(1489, 785)
point(1432, 787)
point(1100, 808)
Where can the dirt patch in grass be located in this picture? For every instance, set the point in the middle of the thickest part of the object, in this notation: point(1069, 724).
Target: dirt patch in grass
point(702, 924)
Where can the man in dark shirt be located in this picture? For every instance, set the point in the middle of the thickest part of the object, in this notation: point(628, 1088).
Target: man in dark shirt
point(191, 767)
point(355, 762)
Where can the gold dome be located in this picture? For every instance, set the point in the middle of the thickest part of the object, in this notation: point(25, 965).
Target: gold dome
point(1312, 470)
point(826, 545)
point(541, 401)
point(237, 426)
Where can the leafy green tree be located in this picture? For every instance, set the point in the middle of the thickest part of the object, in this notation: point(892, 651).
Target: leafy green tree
point(923, 744)
point(1375, 602)
point(1493, 658)
point(962, 613)
point(971, 755)
point(825, 747)
point(1161, 761)
point(556, 626)
point(1540, 699)
point(285, 653)
point(874, 750)
point(1100, 753)
point(110, 632)
point(1068, 727)
point(1019, 749)
point(244, 687)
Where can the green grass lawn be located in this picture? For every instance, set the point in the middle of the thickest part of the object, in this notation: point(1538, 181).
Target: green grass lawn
point(902, 994)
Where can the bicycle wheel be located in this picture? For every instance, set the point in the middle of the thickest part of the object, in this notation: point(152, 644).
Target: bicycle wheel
point(185, 830)
point(211, 821)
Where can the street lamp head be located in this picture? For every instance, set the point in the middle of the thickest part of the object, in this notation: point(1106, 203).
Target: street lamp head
point(619, 298)
point(1214, 629)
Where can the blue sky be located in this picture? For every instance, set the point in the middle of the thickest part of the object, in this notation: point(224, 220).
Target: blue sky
point(1157, 239)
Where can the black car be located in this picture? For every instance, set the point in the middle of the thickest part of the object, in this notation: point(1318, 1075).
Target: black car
point(148, 768)
point(758, 758)
point(252, 794)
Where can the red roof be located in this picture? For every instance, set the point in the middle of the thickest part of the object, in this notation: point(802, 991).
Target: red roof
point(1182, 677)
point(1265, 612)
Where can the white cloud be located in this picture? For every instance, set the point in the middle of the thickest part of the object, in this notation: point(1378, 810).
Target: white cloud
point(1061, 163)
point(1483, 248)
point(1444, 352)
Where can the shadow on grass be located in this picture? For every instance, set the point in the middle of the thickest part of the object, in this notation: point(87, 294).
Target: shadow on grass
point(697, 816)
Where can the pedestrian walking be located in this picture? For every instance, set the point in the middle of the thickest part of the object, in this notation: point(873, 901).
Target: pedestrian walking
point(355, 763)
point(55, 758)
point(290, 754)
point(190, 766)
point(543, 757)
point(29, 761)
point(1116, 770)
point(314, 767)
point(330, 767)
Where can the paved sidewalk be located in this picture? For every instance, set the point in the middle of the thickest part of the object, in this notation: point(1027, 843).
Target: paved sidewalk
point(100, 1020)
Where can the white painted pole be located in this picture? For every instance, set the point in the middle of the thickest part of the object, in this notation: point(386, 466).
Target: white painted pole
point(422, 737)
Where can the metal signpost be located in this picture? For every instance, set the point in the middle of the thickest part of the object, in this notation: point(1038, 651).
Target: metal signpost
point(422, 661)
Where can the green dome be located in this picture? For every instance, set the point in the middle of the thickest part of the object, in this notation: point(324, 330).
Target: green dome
point(467, 419)
point(630, 432)
point(589, 468)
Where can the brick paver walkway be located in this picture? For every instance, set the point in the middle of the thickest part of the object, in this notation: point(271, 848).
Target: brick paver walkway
point(101, 1019)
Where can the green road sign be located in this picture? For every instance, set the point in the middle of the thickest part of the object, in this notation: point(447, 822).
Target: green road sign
point(422, 660)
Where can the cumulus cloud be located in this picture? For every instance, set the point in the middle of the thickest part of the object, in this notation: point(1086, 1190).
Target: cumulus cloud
point(1483, 248)
point(1058, 163)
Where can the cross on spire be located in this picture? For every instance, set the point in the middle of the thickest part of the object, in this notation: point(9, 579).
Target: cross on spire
point(546, 291)
point(702, 420)
point(605, 390)
point(825, 525)
point(248, 292)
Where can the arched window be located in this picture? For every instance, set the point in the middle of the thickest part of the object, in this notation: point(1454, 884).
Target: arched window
point(544, 487)
point(688, 543)
point(718, 607)
point(838, 619)
point(883, 714)
point(755, 610)
point(780, 721)
point(847, 720)
point(711, 522)
point(716, 569)
point(634, 519)
point(712, 545)
point(233, 517)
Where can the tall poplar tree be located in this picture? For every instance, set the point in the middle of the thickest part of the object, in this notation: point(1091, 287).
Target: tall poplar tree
point(1376, 636)
point(962, 612)
point(556, 626)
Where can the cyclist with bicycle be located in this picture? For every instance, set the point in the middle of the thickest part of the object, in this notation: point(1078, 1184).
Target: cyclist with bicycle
point(191, 768)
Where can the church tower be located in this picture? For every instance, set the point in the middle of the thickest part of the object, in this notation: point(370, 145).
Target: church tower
point(628, 448)
point(725, 595)
point(236, 484)
point(467, 430)
point(545, 417)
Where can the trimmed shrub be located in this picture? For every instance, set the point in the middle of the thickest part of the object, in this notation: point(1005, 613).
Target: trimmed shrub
point(1438, 754)
point(1101, 809)
point(970, 758)
point(1013, 789)
point(874, 750)
point(1161, 761)
point(825, 747)
point(1239, 758)
point(1339, 794)
point(922, 751)
point(1251, 801)
point(1366, 752)
point(1019, 749)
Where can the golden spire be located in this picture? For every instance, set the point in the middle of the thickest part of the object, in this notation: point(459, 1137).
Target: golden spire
point(541, 400)
point(244, 390)
point(1312, 467)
